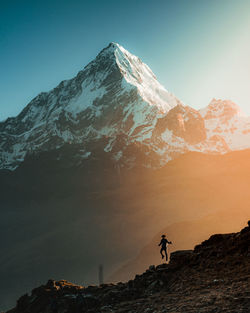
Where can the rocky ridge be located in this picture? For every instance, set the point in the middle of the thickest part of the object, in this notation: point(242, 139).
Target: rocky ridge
point(214, 277)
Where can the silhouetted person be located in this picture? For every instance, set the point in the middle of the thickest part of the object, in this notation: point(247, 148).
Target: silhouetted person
point(163, 245)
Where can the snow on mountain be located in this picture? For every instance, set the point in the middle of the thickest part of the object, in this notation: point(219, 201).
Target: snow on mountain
point(114, 94)
point(181, 130)
point(113, 104)
point(140, 75)
point(225, 119)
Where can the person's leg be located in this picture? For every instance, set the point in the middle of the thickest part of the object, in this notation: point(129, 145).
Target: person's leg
point(166, 253)
point(162, 256)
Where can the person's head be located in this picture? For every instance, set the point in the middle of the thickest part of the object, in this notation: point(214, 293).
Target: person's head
point(163, 236)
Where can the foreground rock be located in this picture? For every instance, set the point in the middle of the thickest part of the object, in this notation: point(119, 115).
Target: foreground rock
point(214, 277)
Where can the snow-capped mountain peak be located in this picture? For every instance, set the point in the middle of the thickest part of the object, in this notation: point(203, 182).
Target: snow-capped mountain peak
point(136, 74)
point(116, 105)
point(114, 94)
point(140, 75)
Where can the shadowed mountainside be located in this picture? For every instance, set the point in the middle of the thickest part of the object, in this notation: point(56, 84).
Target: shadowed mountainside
point(62, 220)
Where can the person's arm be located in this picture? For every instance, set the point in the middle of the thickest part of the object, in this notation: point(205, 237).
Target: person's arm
point(169, 242)
point(160, 243)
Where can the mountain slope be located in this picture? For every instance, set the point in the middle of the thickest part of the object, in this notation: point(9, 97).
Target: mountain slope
point(214, 277)
point(61, 220)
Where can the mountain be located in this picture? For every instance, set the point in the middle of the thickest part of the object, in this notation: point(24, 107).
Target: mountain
point(224, 118)
point(214, 277)
point(117, 105)
point(115, 96)
point(93, 169)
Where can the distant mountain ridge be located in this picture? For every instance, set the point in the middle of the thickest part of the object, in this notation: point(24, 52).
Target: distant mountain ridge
point(113, 103)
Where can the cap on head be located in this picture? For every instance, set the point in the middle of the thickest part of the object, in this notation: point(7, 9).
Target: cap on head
point(163, 236)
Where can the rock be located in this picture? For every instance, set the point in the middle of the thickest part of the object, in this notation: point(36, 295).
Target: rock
point(181, 257)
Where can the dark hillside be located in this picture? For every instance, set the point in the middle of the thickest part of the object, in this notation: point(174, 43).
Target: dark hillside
point(214, 277)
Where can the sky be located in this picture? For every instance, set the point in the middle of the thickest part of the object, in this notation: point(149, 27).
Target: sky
point(198, 49)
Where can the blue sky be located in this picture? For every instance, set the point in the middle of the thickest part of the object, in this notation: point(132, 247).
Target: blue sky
point(198, 49)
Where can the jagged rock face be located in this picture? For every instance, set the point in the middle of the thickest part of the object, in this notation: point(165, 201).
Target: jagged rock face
point(214, 277)
point(184, 122)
